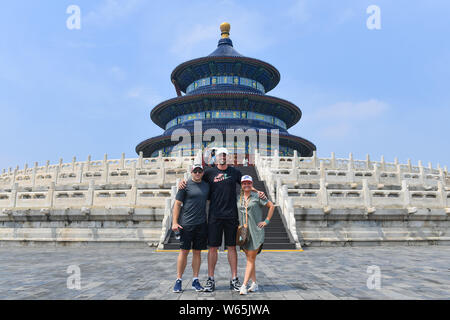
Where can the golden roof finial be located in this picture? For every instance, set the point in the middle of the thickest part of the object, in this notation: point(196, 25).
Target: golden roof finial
point(225, 30)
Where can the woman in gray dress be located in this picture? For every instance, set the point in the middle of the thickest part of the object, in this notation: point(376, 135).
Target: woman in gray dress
point(250, 213)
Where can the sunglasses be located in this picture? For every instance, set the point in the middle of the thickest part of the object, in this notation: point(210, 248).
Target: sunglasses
point(197, 171)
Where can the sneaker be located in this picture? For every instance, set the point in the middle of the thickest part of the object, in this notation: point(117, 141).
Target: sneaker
point(177, 287)
point(210, 285)
point(253, 287)
point(235, 284)
point(196, 286)
point(243, 289)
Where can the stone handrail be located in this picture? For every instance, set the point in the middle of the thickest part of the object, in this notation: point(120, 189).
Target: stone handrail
point(328, 184)
point(334, 163)
point(287, 210)
point(161, 170)
point(166, 226)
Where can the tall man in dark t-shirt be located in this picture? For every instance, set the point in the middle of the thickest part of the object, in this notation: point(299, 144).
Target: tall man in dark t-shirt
point(223, 215)
point(190, 221)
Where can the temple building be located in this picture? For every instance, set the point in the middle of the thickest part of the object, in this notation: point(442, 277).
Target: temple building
point(226, 90)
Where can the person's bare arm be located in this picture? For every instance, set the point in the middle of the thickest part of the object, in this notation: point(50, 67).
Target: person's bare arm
point(175, 215)
point(271, 207)
point(261, 194)
point(182, 184)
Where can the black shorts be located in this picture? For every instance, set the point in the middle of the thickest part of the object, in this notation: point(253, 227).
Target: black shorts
point(218, 227)
point(194, 236)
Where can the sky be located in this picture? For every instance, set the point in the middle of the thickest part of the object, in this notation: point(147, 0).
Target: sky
point(89, 91)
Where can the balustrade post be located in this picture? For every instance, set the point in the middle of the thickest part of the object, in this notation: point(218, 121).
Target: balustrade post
point(398, 171)
point(173, 194)
point(13, 181)
point(278, 191)
point(441, 175)
point(442, 195)
point(47, 164)
point(162, 173)
point(13, 199)
point(33, 176)
point(421, 173)
point(333, 161)
point(51, 194)
point(57, 171)
point(160, 159)
point(368, 163)
point(74, 163)
point(367, 195)
point(322, 174)
point(350, 168)
point(289, 213)
point(105, 160)
point(133, 200)
point(276, 159)
point(80, 173)
point(382, 164)
point(122, 161)
point(315, 159)
point(295, 159)
point(90, 195)
point(106, 172)
point(409, 165)
point(323, 194)
point(140, 160)
point(89, 163)
point(406, 195)
point(376, 174)
point(133, 170)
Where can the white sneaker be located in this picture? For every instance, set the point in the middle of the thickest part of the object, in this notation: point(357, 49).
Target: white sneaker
point(253, 287)
point(243, 289)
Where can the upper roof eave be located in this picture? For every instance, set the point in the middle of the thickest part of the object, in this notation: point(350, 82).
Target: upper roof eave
point(161, 107)
point(180, 68)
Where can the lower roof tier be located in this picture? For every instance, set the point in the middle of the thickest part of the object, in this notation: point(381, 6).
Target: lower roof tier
point(170, 109)
point(287, 143)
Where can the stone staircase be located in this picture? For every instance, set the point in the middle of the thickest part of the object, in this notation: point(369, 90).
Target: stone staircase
point(277, 238)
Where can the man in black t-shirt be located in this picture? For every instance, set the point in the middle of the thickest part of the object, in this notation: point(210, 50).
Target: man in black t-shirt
point(223, 215)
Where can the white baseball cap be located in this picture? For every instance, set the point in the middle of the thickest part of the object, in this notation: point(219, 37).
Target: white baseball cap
point(196, 166)
point(246, 178)
point(221, 150)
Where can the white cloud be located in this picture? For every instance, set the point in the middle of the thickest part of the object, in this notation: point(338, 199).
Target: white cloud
point(352, 110)
point(185, 43)
point(112, 10)
point(145, 94)
point(345, 119)
point(299, 12)
point(117, 73)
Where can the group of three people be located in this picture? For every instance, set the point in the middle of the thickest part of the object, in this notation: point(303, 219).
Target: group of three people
point(226, 211)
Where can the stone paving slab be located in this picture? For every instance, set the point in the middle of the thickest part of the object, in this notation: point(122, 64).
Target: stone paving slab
point(407, 272)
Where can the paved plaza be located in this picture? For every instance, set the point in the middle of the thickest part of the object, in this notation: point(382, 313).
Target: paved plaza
point(115, 272)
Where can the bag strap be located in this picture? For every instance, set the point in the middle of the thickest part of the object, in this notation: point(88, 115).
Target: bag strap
point(246, 210)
